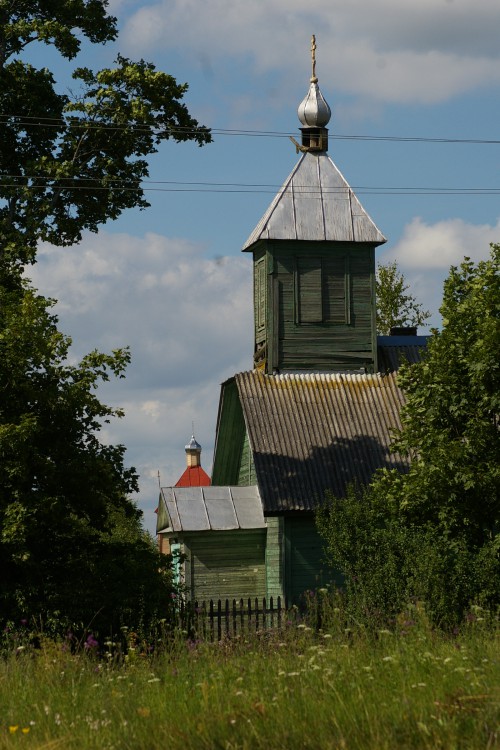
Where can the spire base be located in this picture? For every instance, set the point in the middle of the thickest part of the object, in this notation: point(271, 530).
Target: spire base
point(314, 139)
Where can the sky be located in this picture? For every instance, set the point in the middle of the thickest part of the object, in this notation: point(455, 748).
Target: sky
point(414, 90)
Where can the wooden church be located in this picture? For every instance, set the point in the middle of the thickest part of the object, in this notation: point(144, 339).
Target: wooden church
point(317, 410)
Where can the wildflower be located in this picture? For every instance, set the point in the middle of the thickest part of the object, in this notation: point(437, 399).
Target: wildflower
point(25, 730)
point(91, 642)
point(388, 658)
point(13, 728)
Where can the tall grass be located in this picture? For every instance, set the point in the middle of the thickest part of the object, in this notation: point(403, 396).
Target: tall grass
point(296, 688)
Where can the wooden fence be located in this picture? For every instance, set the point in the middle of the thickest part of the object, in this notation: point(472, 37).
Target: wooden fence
point(221, 619)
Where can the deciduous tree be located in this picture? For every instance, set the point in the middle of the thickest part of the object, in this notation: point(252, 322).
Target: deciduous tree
point(71, 546)
point(395, 306)
point(70, 161)
point(434, 533)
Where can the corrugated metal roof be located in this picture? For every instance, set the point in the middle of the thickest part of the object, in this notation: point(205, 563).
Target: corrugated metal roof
point(315, 432)
point(316, 204)
point(210, 508)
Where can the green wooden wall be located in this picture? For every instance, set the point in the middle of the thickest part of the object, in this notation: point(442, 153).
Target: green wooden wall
point(275, 558)
point(225, 564)
point(246, 473)
point(231, 436)
point(305, 566)
point(314, 306)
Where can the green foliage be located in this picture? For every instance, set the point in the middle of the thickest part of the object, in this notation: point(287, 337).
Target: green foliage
point(433, 534)
point(451, 419)
point(70, 162)
point(66, 522)
point(395, 307)
point(71, 545)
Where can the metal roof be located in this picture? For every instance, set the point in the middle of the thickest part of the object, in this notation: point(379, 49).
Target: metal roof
point(315, 432)
point(316, 204)
point(393, 350)
point(209, 509)
point(193, 476)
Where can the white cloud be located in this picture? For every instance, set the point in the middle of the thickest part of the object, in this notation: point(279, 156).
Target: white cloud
point(425, 253)
point(188, 321)
point(386, 50)
point(443, 244)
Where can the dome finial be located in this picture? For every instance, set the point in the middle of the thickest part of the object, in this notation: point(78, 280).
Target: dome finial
point(314, 113)
point(314, 77)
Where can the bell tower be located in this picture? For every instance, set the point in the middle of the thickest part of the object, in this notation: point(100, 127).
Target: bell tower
point(314, 262)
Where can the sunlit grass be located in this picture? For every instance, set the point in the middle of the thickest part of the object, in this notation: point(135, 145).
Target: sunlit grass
point(291, 689)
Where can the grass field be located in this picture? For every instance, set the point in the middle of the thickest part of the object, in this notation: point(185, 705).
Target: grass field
point(412, 688)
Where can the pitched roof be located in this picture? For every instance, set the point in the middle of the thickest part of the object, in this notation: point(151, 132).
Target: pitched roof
point(193, 476)
point(316, 204)
point(310, 433)
point(209, 509)
point(393, 350)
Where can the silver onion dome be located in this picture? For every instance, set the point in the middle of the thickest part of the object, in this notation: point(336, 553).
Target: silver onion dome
point(193, 445)
point(314, 111)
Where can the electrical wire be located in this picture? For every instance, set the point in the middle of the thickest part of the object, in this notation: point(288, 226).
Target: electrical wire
point(178, 186)
point(45, 122)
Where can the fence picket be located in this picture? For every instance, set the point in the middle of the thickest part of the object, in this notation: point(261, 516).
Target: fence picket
point(224, 619)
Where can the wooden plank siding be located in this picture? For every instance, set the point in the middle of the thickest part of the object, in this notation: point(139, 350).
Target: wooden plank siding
point(225, 565)
point(231, 434)
point(306, 569)
point(246, 474)
point(319, 305)
point(275, 573)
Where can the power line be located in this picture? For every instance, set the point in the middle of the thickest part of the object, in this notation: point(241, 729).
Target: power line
point(215, 187)
point(270, 185)
point(45, 122)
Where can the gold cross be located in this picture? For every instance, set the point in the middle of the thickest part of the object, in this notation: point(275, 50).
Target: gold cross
point(314, 78)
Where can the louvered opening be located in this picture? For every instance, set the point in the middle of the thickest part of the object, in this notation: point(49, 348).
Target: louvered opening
point(309, 302)
point(335, 290)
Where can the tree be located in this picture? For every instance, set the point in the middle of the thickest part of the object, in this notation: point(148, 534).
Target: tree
point(71, 162)
point(395, 307)
point(434, 533)
point(63, 492)
point(71, 546)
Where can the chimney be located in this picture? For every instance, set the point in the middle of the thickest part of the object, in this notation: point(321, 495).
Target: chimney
point(403, 331)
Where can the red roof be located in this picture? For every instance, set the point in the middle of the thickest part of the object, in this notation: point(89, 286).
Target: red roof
point(194, 476)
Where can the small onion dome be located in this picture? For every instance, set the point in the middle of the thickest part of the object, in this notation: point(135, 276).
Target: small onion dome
point(314, 111)
point(193, 445)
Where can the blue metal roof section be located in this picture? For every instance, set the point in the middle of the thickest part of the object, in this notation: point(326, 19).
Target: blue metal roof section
point(392, 351)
